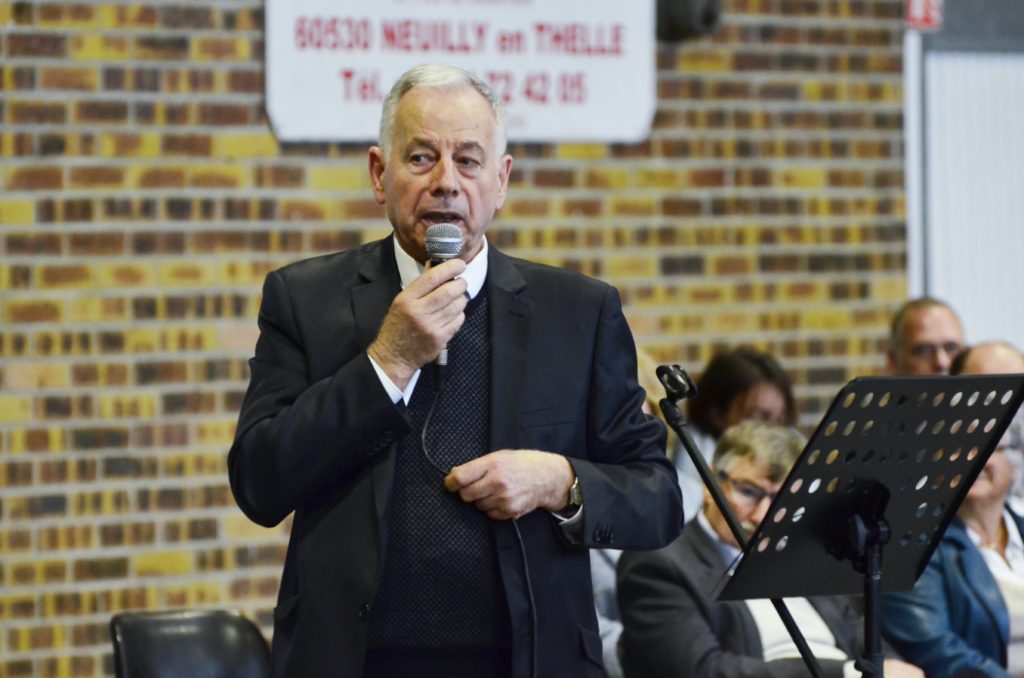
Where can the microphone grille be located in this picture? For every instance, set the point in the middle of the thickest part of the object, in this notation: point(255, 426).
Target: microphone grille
point(443, 241)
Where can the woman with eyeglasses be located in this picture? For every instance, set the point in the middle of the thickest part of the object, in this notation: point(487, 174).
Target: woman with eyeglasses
point(965, 614)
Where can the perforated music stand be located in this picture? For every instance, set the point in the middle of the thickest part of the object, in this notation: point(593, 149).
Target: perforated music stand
point(893, 456)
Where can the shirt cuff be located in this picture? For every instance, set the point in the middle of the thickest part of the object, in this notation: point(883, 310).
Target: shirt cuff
point(849, 671)
point(394, 392)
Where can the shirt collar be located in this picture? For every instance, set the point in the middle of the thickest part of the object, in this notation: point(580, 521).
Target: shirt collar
point(475, 274)
point(729, 552)
point(1014, 541)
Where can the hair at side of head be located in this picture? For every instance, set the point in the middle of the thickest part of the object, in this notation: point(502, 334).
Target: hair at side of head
point(440, 76)
point(899, 320)
point(729, 375)
point(772, 448)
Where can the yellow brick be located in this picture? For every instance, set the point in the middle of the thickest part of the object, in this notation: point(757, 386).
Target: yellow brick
point(17, 212)
point(659, 178)
point(215, 432)
point(240, 528)
point(581, 151)
point(691, 61)
point(24, 375)
point(337, 178)
point(186, 274)
point(889, 289)
point(825, 319)
point(161, 563)
point(141, 341)
point(244, 146)
point(632, 206)
point(625, 267)
point(93, 47)
point(800, 177)
point(97, 309)
point(144, 145)
point(15, 408)
point(732, 322)
point(222, 176)
point(609, 178)
point(127, 405)
point(242, 273)
point(237, 337)
point(116, 276)
point(188, 339)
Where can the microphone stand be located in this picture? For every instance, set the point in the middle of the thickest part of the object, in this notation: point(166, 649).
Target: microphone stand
point(679, 386)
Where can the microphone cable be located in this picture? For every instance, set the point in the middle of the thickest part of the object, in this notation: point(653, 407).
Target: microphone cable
point(515, 526)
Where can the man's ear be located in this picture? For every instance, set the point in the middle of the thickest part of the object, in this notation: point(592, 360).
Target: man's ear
point(376, 167)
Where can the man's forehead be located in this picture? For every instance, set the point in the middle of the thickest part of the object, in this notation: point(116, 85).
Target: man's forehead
point(745, 468)
point(932, 320)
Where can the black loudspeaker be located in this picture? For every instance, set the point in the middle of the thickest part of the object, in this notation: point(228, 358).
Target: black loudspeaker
point(679, 20)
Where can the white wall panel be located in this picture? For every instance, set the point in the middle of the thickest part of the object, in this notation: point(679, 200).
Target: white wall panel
point(974, 192)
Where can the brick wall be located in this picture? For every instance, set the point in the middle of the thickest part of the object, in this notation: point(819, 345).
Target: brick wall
point(144, 199)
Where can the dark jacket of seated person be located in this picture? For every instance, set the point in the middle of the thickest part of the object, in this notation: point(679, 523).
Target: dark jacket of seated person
point(671, 625)
point(955, 617)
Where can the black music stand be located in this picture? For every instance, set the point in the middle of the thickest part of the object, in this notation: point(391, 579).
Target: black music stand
point(893, 457)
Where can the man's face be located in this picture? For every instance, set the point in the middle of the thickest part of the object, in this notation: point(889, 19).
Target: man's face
point(931, 338)
point(442, 167)
point(750, 492)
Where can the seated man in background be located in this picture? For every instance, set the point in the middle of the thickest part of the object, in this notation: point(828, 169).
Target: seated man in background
point(966, 611)
point(673, 628)
point(926, 335)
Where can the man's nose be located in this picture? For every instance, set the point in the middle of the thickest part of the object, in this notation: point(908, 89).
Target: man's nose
point(444, 179)
point(941, 360)
point(761, 510)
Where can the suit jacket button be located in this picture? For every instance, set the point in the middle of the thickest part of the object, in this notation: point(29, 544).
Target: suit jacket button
point(364, 611)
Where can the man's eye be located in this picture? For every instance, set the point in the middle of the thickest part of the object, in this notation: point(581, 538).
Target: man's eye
point(469, 162)
point(419, 158)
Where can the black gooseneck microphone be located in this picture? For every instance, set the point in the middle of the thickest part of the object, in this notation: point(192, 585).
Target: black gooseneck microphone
point(442, 242)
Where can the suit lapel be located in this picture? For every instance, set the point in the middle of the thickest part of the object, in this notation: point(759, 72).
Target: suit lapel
point(511, 317)
point(370, 303)
point(371, 300)
point(711, 576)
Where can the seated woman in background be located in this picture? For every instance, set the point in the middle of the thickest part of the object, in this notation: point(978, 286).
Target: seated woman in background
point(738, 385)
point(965, 614)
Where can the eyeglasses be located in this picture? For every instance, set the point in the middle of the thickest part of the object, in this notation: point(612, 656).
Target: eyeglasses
point(929, 350)
point(748, 492)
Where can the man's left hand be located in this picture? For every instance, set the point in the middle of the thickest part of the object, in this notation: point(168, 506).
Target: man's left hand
point(507, 484)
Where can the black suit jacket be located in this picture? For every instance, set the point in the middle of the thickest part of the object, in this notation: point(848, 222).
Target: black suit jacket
point(317, 435)
point(672, 627)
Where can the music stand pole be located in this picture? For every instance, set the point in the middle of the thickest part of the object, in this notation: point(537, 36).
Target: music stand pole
point(678, 385)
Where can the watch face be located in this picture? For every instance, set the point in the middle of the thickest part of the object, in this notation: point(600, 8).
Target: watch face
point(575, 493)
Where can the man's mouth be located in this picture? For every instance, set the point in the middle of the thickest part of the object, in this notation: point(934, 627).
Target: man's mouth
point(441, 217)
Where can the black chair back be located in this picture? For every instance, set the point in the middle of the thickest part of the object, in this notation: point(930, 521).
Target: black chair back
point(188, 644)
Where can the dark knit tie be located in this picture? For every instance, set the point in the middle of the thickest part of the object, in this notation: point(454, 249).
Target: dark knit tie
point(440, 585)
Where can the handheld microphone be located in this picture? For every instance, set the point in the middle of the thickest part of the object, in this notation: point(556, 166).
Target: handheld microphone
point(442, 242)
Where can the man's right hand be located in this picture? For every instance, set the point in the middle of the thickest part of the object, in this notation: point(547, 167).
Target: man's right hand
point(421, 321)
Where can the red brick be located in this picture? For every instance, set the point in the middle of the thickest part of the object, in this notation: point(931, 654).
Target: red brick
point(41, 45)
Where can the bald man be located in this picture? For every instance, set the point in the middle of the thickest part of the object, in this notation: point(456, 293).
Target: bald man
point(926, 335)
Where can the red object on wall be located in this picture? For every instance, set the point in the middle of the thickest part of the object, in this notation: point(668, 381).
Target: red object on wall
point(925, 15)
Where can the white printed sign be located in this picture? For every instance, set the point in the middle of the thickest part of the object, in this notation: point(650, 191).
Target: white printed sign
point(568, 70)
